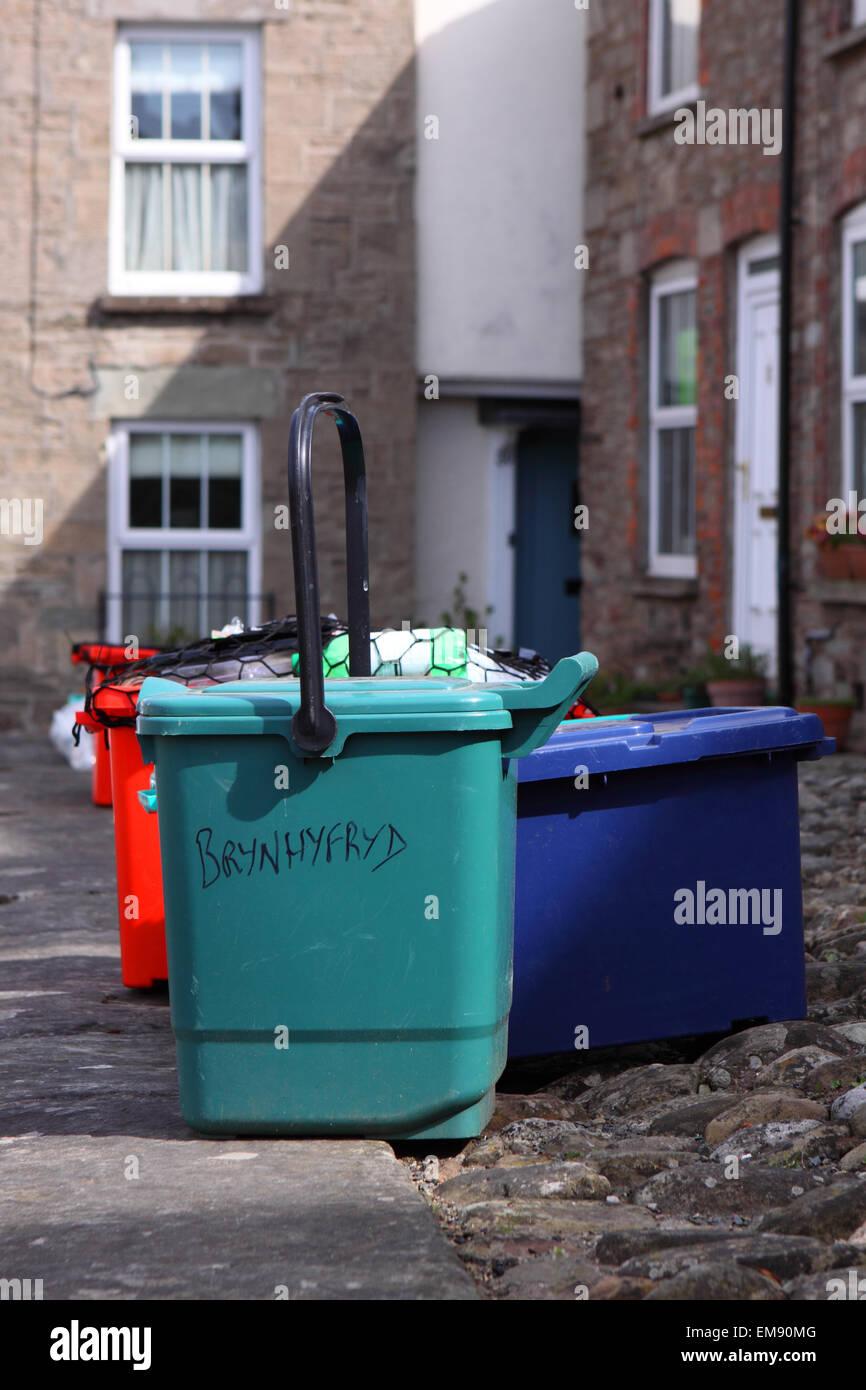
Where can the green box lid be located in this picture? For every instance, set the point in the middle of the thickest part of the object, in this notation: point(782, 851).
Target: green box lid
point(526, 713)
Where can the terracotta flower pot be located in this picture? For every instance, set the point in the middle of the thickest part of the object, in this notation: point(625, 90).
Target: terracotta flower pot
point(832, 562)
point(835, 719)
point(736, 693)
point(856, 561)
point(843, 561)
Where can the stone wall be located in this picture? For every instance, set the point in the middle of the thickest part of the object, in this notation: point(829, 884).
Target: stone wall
point(650, 200)
point(338, 130)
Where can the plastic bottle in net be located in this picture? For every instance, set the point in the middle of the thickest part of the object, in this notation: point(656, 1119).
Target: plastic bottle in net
point(270, 652)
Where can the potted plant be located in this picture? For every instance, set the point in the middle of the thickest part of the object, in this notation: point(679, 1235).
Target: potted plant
point(669, 694)
point(613, 694)
point(737, 682)
point(842, 551)
point(665, 692)
point(693, 687)
point(835, 715)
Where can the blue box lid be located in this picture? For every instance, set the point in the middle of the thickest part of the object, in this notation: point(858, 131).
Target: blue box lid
point(676, 736)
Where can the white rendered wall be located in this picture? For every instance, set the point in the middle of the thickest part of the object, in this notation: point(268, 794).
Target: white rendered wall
point(499, 193)
point(464, 513)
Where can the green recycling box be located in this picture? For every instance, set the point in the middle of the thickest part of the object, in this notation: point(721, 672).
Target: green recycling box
point(340, 926)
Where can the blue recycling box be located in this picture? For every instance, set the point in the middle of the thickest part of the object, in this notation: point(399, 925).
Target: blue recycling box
point(658, 877)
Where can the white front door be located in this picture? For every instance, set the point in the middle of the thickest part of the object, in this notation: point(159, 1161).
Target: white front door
point(756, 478)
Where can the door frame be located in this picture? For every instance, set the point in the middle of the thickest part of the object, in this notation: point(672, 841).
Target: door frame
point(501, 514)
point(762, 287)
point(507, 417)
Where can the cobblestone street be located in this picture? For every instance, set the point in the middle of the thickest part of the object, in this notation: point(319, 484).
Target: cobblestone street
point(613, 1178)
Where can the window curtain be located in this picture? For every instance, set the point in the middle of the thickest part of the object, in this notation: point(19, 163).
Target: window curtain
point(681, 23)
point(676, 464)
point(186, 234)
point(185, 589)
point(859, 482)
point(227, 187)
point(227, 585)
point(228, 194)
point(859, 273)
point(141, 580)
point(143, 215)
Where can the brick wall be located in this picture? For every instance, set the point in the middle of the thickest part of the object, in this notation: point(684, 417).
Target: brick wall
point(338, 119)
point(650, 200)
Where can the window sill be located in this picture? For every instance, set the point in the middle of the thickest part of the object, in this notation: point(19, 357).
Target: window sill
point(661, 120)
point(845, 42)
point(839, 591)
point(664, 586)
point(141, 305)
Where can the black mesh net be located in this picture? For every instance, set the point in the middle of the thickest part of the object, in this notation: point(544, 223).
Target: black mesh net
point(270, 652)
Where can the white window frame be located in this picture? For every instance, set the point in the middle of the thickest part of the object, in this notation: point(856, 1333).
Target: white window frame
point(853, 387)
point(659, 101)
point(121, 536)
point(245, 151)
point(671, 279)
point(858, 13)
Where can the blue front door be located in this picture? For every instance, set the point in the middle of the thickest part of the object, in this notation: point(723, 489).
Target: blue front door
point(547, 545)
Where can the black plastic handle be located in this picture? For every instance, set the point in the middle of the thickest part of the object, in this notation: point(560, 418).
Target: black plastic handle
point(314, 726)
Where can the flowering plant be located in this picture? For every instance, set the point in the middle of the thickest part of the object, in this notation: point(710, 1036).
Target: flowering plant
point(834, 528)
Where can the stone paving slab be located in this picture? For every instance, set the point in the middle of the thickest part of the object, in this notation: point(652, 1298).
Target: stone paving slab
point(104, 1191)
point(126, 1217)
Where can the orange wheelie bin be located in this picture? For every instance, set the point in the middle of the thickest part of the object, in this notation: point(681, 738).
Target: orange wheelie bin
point(140, 910)
point(99, 656)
